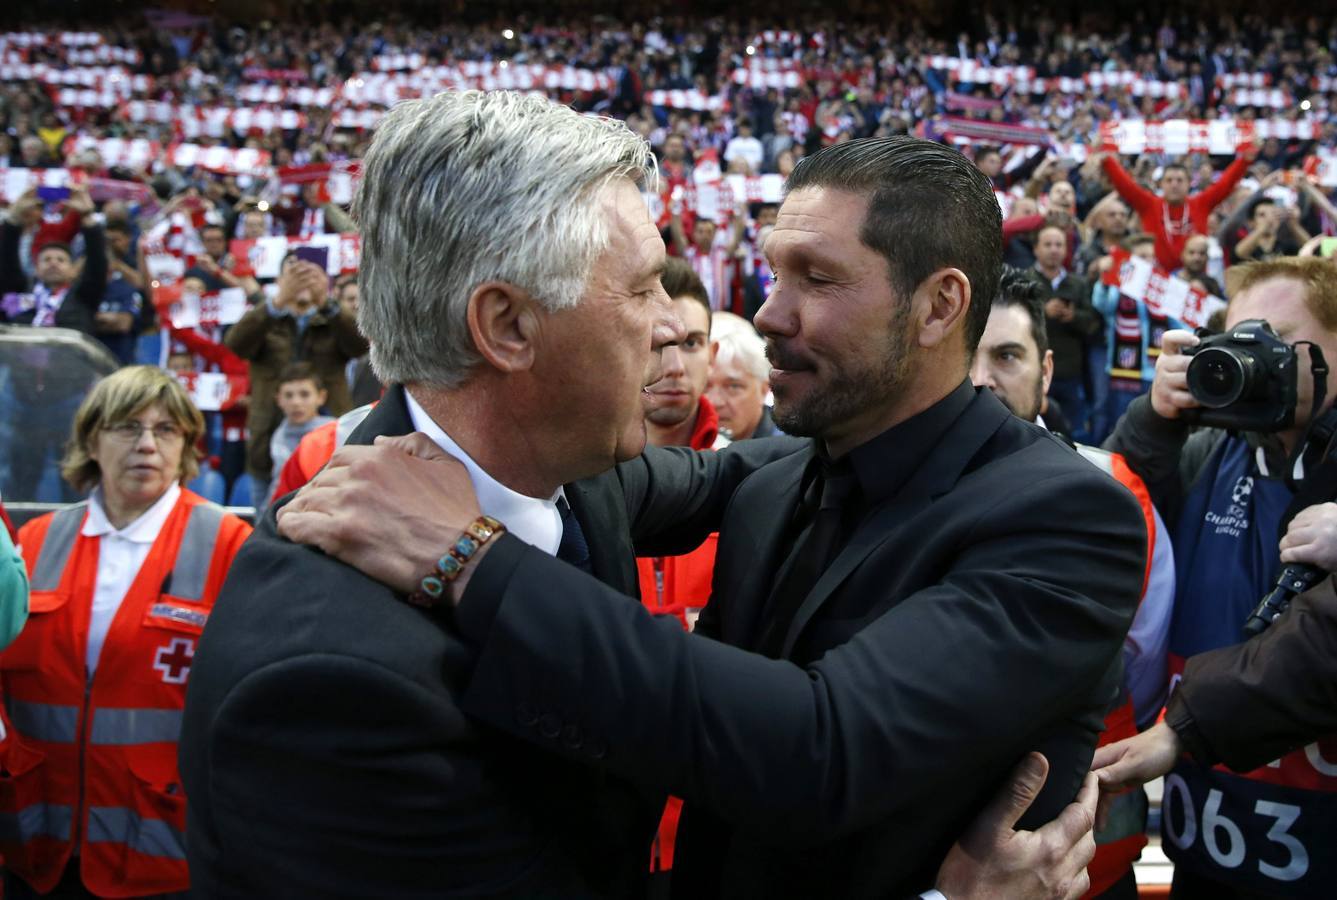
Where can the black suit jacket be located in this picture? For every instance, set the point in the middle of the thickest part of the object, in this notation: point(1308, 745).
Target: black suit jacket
point(324, 751)
point(973, 617)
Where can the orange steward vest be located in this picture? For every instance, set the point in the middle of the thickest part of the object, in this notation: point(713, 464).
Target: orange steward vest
point(89, 764)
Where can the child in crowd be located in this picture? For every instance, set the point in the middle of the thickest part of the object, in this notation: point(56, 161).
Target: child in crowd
point(301, 394)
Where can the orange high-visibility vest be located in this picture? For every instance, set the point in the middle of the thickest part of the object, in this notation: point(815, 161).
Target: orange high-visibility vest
point(90, 763)
point(1120, 843)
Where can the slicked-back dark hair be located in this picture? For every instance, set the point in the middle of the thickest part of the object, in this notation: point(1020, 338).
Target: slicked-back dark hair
point(1017, 288)
point(929, 208)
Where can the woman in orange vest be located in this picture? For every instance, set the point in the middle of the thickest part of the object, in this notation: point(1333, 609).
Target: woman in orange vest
point(121, 586)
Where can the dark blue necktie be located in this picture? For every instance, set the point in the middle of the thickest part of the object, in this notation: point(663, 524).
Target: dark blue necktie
point(573, 548)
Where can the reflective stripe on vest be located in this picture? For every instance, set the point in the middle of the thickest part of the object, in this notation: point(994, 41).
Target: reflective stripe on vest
point(191, 569)
point(120, 727)
point(119, 825)
point(38, 820)
point(44, 721)
point(55, 553)
point(348, 423)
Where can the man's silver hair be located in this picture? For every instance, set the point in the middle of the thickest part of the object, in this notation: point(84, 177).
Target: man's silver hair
point(465, 188)
point(739, 341)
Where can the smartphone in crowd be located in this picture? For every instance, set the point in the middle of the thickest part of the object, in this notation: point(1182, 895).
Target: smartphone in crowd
point(318, 255)
point(53, 194)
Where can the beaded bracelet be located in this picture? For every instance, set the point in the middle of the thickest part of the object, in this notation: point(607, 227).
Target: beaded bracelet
point(432, 588)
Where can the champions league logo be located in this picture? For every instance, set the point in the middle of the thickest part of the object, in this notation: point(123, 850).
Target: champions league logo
point(1236, 520)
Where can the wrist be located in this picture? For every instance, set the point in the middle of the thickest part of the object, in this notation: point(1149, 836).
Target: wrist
point(447, 575)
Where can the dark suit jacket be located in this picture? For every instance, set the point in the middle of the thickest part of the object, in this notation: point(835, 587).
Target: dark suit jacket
point(977, 615)
point(1254, 702)
point(324, 751)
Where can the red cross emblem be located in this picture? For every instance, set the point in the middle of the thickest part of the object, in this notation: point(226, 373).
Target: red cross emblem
point(173, 660)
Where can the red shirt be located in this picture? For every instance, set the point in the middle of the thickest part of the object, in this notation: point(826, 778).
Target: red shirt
point(1174, 225)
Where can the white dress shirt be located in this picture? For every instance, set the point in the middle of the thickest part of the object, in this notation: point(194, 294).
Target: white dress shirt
point(532, 520)
point(121, 553)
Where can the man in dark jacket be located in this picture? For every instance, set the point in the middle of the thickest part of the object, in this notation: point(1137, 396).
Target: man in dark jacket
point(59, 295)
point(1071, 322)
point(298, 325)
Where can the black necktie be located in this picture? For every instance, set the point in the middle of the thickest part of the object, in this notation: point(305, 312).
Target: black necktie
point(825, 508)
point(573, 548)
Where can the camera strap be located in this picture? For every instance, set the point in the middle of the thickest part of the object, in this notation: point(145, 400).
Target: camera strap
point(1319, 483)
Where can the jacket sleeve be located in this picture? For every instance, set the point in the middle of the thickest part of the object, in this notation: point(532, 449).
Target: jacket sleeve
point(13, 591)
point(1152, 446)
point(1105, 298)
point(219, 354)
point(1216, 192)
point(1086, 320)
point(12, 279)
point(93, 282)
point(1251, 703)
point(874, 727)
point(1136, 196)
point(247, 337)
point(349, 340)
point(676, 497)
point(1021, 225)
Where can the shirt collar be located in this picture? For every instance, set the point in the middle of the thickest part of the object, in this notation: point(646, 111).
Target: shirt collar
point(532, 520)
point(143, 530)
point(885, 464)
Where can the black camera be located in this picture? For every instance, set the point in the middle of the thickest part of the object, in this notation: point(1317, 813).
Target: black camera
point(1245, 379)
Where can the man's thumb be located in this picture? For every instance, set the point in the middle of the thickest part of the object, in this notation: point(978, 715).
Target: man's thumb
point(1023, 787)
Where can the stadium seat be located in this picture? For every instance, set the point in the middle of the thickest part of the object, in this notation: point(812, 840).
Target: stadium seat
point(209, 484)
point(240, 495)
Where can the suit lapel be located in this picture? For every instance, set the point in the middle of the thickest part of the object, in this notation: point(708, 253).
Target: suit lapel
point(937, 474)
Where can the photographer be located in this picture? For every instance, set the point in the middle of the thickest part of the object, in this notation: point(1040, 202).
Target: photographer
point(1225, 494)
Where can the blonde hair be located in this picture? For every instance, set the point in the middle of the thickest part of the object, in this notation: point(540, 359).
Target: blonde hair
point(121, 396)
point(1318, 275)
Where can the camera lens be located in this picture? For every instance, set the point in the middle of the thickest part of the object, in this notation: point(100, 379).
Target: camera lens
point(1218, 377)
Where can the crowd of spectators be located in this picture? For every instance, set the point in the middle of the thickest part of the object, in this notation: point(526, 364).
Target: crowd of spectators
point(1022, 92)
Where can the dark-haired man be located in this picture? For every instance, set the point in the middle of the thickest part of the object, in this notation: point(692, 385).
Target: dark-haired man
point(868, 673)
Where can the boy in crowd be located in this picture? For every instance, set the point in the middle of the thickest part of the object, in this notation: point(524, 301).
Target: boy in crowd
point(300, 395)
